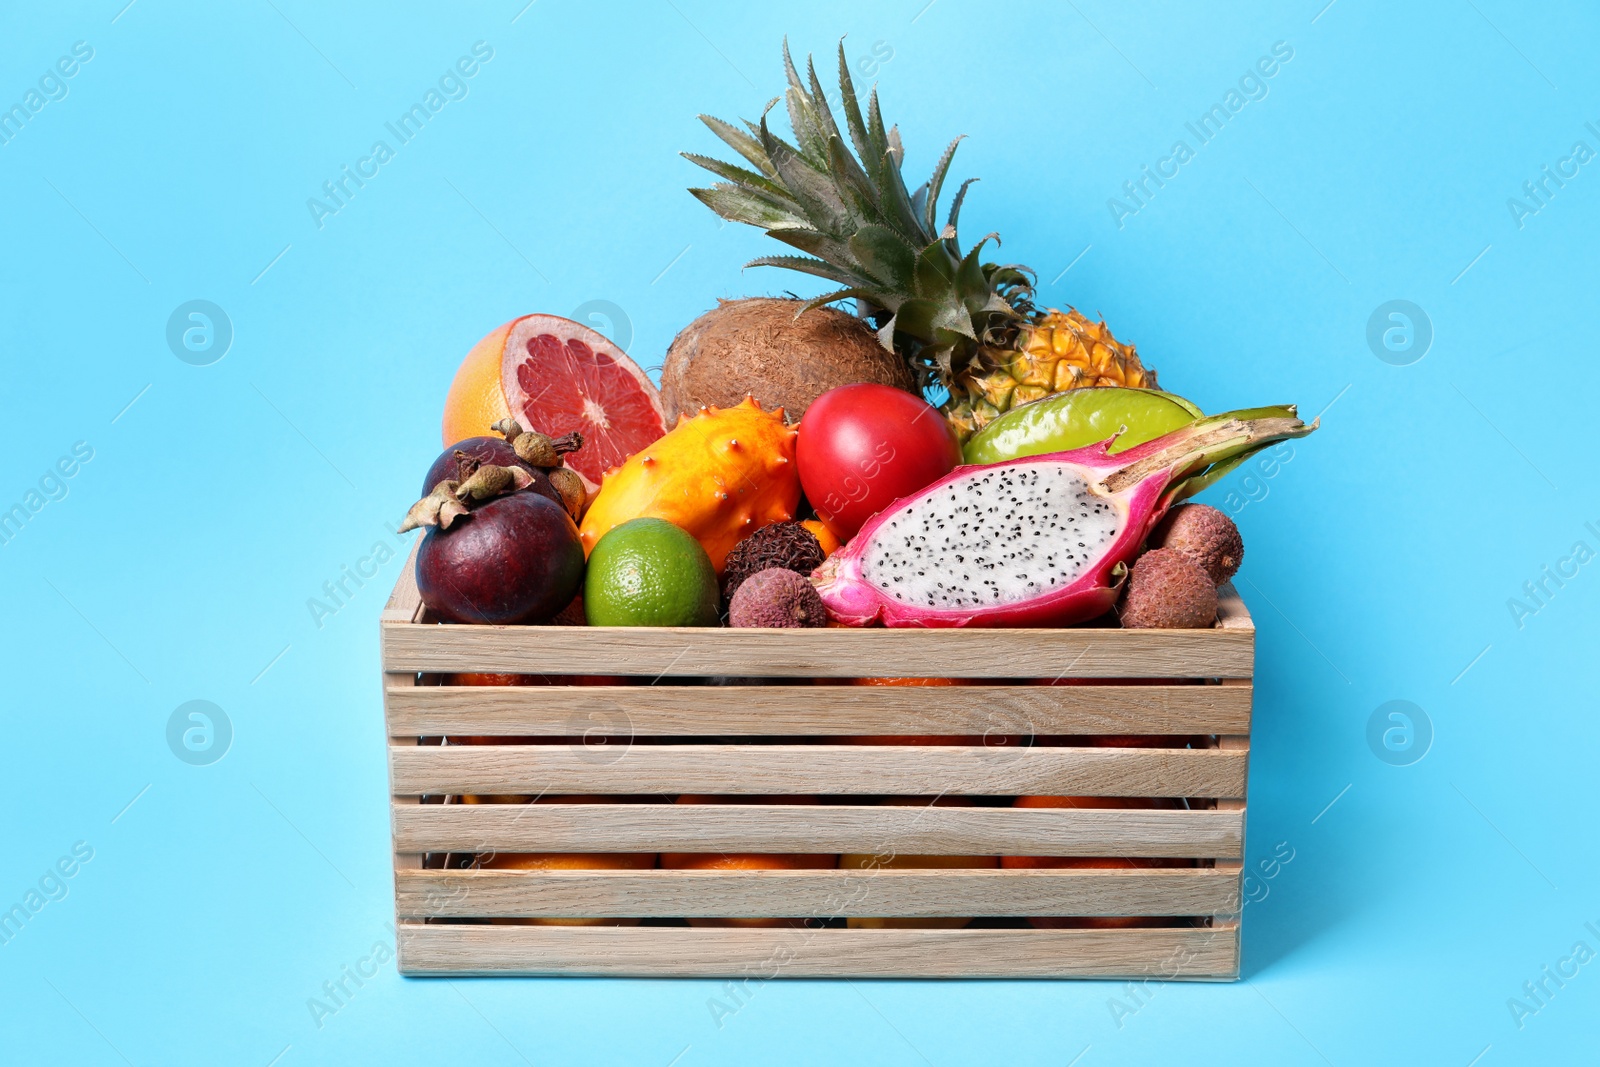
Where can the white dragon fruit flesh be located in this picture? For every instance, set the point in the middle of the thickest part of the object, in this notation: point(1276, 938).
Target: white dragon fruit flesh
point(1039, 541)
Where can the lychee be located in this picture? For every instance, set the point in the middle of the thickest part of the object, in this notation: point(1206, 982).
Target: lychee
point(1204, 534)
point(782, 544)
point(777, 597)
point(1169, 591)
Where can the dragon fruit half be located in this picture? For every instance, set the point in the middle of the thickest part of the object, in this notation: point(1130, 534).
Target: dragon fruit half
point(1039, 541)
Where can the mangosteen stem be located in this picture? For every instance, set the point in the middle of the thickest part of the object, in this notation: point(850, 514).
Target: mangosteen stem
point(450, 500)
point(570, 488)
point(543, 451)
point(466, 465)
point(534, 448)
point(508, 428)
point(489, 481)
point(438, 508)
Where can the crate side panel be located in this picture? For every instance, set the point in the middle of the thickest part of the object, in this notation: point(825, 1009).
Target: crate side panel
point(1177, 953)
point(797, 710)
point(819, 893)
point(404, 605)
point(832, 828)
point(1231, 612)
point(818, 769)
point(827, 652)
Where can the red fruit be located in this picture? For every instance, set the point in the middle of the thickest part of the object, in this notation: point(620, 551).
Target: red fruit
point(515, 558)
point(1037, 541)
point(495, 450)
point(561, 376)
point(483, 678)
point(862, 447)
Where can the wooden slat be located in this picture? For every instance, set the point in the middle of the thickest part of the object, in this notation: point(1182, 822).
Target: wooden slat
point(826, 894)
point(405, 603)
point(823, 769)
point(1234, 908)
point(685, 952)
point(940, 831)
point(792, 710)
point(829, 652)
point(404, 606)
point(1231, 613)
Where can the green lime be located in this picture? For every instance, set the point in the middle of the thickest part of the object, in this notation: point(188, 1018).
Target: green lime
point(648, 572)
point(1076, 418)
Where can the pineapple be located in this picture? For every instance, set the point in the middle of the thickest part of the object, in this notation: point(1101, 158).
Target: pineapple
point(960, 323)
point(1054, 352)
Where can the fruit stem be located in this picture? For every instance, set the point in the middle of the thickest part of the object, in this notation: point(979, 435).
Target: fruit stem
point(1217, 443)
point(543, 451)
point(489, 481)
point(451, 499)
point(567, 442)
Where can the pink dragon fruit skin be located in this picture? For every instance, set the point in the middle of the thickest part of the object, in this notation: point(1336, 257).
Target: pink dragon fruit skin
point(1024, 519)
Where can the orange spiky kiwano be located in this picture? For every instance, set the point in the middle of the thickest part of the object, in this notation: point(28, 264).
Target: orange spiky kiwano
point(720, 475)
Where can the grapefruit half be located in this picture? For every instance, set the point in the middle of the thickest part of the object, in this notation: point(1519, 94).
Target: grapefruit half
point(559, 376)
point(555, 375)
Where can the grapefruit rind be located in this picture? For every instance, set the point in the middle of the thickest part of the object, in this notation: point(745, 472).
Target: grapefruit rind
point(560, 376)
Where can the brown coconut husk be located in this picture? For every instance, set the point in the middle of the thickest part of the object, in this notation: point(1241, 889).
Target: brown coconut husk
point(757, 347)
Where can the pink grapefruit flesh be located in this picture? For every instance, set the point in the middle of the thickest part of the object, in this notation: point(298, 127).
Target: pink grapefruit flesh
point(559, 376)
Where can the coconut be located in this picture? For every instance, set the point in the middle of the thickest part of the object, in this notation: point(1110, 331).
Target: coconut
point(758, 347)
point(1205, 535)
point(1169, 591)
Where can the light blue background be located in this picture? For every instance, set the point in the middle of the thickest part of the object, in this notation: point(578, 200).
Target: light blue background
point(1381, 558)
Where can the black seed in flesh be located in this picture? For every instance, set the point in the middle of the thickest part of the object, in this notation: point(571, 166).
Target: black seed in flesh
point(1051, 522)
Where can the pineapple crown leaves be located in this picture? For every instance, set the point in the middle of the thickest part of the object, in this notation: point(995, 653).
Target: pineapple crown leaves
point(858, 225)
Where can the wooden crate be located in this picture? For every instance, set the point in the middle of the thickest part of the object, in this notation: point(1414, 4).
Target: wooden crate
point(666, 737)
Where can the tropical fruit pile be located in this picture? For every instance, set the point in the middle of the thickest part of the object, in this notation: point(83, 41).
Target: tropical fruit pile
point(948, 455)
point(943, 454)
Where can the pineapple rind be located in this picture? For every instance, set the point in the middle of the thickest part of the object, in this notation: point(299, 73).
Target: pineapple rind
point(1057, 352)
